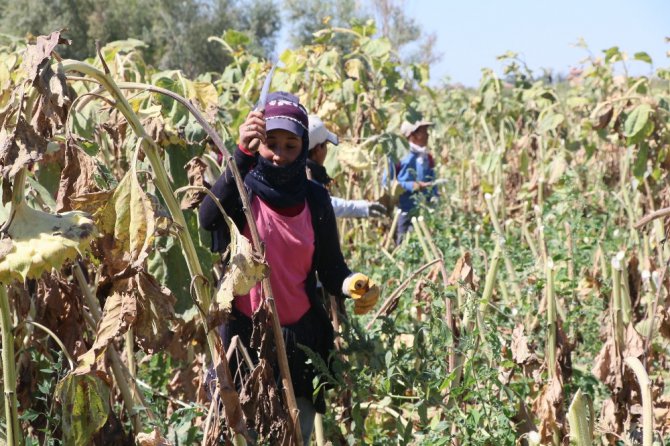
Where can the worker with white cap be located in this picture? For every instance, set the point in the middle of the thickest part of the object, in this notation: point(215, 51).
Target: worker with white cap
point(415, 174)
point(319, 137)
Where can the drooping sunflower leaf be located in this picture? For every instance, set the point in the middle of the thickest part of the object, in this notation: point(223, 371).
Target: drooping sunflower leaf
point(132, 217)
point(85, 407)
point(118, 315)
point(243, 271)
point(39, 241)
point(155, 313)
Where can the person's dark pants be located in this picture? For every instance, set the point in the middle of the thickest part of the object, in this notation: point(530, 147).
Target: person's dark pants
point(404, 226)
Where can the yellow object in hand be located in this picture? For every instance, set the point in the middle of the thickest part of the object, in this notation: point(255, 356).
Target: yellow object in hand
point(364, 291)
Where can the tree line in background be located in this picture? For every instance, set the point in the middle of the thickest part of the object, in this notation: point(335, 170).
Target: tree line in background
point(176, 31)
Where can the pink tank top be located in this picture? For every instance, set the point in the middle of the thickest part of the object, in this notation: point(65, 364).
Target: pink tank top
point(289, 248)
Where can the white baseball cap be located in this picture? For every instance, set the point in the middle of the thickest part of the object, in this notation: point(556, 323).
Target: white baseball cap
point(318, 133)
point(407, 128)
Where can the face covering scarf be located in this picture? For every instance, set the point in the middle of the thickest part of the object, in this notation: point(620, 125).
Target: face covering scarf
point(279, 186)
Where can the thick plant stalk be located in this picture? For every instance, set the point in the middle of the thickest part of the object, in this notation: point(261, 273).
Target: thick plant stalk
point(233, 411)
point(391, 233)
point(600, 258)
point(318, 430)
point(526, 233)
point(647, 404)
point(552, 324)
point(130, 352)
point(511, 273)
point(581, 430)
point(617, 319)
point(626, 305)
point(469, 319)
point(445, 281)
point(427, 255)
point(431, 243)
point(9, 372)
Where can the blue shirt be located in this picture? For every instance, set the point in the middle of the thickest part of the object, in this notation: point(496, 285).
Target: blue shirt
point(415, 167)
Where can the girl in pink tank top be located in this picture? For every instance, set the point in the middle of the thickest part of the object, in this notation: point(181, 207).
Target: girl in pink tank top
point(296, 223)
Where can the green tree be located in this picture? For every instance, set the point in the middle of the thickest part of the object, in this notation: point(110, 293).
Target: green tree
point(403, 31)
point(175, 31)
point(412, 44)
point(305, 17)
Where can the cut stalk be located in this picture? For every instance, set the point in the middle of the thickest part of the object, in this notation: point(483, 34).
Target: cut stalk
point(508, 263)
point(580, 426)
point(647, 404)
point(13, 436)
point(473, 314)
point(431, 244)
point(617, 320)
point(427, 255)
point(391, 234)
point(552, 325)
point(626, 305)
point(445, 281)
point(526, 233)
point(318, 430)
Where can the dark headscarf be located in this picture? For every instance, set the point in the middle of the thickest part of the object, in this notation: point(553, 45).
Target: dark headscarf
point(282, 186)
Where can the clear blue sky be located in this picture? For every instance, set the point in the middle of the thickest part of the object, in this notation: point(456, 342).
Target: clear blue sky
point(470, 34)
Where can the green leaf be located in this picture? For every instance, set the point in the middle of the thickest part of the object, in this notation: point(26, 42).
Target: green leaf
point(640, 166)
point(132, 217)
point(85, 407)
point(236, 39)
point(577, 101)
point(636, 120)
point(612, 54)
point(549, 122)
point(377, 48)
point(644, 57)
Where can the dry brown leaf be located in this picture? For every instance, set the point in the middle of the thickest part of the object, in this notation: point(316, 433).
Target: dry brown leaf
point(663, 322)
point(118, 315)
point(243, 270)
point(548, 407)
point(155, 128)
point(195, 171)
point(19, 147)
point(155, 314)
point(607, 366)
point(76, 178)
point(90, 202)
point(463, 272)
point(152, 439)
point(189, 383)
point(58, 307)
point(53, 102)
point(37, 55)
point(611, 418)
point(634, 281)
point(634, 343)
point(262, 404)
point(229, 397)
point(603, 118)
point(520, 351)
